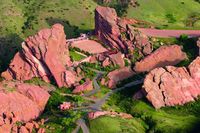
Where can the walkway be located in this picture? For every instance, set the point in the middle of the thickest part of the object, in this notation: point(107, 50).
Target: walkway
point(169, 33)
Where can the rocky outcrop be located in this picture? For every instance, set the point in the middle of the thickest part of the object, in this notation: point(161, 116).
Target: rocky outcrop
point(164, 56)
point(44, 55)
point(107, 29)
point(118, 75)
point(114, 58)
point(87, 86)
point(117, 34)
point(25, 101)
point(171, 86)
point(8, 124)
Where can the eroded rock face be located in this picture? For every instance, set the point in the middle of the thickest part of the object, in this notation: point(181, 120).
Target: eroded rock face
point(43, 55)
point(171, 86)
point(164, 56)
point(117, 34)
point(118, 75)
point(25, 101)
point(8, 124)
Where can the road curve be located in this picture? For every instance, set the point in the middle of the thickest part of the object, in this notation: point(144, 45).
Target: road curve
point(98, 104)
point(83, 125)
point(169, 33)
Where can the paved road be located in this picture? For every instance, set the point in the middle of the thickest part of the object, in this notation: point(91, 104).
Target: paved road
point(83, 126)
point(169, 33)
point(96, 86)
point(98, 104)
point(76, 130)
point(95, 83)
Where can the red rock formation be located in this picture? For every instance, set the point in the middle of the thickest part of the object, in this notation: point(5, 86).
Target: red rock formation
point(44, 55)
point(118, 75)
point(116, 59)
point(8, 124)
point(171, 86)
point(165, 55)
point(106, 27)
point(65, 106)
point(117, 33)
point(25, 101)
point(87, 86)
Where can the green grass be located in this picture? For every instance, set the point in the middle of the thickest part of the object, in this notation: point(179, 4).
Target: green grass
point(76, 56)
point(166, 120)
point(41, 13)
point(102, 92)
point(117, 125)
point(21, 18)
point(168, 14)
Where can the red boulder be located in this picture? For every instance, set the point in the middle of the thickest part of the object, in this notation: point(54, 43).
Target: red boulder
point(165, 55)
point(172, 86)
point(87, 86)
point(118, 75)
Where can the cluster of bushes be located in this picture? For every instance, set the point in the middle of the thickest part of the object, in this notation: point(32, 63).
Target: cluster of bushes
point(192, 19)
point(171, 18)
point(63, 121)
point(79, 50)
point(98, 66)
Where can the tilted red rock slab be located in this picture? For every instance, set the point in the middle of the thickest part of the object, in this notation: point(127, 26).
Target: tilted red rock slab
point(163, 56)
point(114, 32)
point(118, 75)
point(43, 55)
point(172, 86)
point(25, 101)
point(106, 27)
point(87, 86)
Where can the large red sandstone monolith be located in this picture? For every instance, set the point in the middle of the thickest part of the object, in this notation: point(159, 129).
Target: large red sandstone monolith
point(44, 55)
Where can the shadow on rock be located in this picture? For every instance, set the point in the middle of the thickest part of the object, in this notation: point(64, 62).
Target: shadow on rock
point(9, 46)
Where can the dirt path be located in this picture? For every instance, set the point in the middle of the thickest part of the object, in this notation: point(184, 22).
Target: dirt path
point(169, 33)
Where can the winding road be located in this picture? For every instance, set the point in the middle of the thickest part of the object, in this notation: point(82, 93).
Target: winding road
point(98, 104)
point(169, 33)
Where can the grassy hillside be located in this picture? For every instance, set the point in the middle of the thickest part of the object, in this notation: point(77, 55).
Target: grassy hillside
point(170, 14)
point(178, 119)
point(118, 125)
point(21, 18)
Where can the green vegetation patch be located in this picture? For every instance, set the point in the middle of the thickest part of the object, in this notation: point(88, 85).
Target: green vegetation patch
point(168, 14)
point(166, 120)
point(116, 125)
point(75, 56)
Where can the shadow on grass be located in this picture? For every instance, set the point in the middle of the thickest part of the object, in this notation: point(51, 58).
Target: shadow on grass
point(71, 31)
point(9, 46)
point(190, 47)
